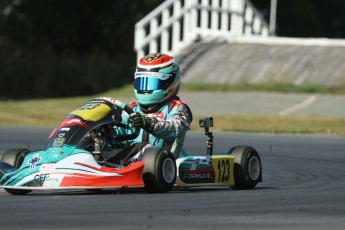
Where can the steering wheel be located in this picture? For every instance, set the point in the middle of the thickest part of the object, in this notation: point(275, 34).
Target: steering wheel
point(115, 102)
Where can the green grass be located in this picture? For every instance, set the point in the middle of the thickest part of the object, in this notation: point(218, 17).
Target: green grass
point(50, 112)
point(277, 124)
point(267, 87)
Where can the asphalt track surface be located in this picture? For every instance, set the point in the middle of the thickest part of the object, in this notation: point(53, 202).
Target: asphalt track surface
point(303, 188)
point(263, 103)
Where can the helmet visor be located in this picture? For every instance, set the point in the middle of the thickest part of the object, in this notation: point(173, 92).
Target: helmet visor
point(146, 81)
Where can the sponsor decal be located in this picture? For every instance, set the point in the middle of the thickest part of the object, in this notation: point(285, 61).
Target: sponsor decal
point(199, 160)
point(73, 122)
point(65, 129)
point(41, 177)
point(113, 117)
point(33, 161)
point(203, 161)
point(197, 176)
point(55, 152)
point(89, 106)
point(153, 57)
point(91, 112)
point(58, 142)
point(110, 99)
point(47, 167)
point(47, 180)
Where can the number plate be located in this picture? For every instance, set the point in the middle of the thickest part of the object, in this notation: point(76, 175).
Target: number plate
point(223, 168)
point(205, 170)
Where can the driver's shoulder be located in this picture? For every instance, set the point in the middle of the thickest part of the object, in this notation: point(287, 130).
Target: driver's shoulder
point(133, 104)
point(177, 104)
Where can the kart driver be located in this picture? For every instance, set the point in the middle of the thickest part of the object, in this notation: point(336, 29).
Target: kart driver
point(158, 111)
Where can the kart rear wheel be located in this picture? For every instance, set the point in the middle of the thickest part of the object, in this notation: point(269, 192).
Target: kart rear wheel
point(159, 172)
point(15, 157)
point(247, 167)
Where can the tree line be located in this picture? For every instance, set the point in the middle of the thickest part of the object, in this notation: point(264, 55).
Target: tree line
point(307, 18)
point(61, 48)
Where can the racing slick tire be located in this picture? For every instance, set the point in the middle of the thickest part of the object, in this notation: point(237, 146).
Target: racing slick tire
point(159, 173)
point(247, 167)
point(15, 157)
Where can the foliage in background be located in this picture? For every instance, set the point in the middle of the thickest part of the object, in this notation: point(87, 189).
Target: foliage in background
point(67, 47)
point(62, 48)
point(307, 18)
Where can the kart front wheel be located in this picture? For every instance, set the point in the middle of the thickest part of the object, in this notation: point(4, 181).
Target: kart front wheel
point(247, 167)
point(15, 157)
point(159, 172)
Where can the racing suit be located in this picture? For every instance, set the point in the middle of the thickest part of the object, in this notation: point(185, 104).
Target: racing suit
point(170, 121)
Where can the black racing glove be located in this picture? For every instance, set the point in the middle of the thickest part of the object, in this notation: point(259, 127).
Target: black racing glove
point(140, 121)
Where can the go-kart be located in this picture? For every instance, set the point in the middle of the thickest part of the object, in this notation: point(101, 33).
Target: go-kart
point(76, 153)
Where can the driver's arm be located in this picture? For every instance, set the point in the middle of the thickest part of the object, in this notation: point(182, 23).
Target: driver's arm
point(176, 124)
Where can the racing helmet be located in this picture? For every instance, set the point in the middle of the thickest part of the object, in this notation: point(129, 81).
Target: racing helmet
point(157, 79)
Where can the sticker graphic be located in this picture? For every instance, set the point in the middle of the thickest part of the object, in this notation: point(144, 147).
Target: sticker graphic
point(197, 170)
point(58, 142)
point(197, 176)
point(91, 112)
point(48, 167)
point(33, 161)
point(153, 57)
point(73, 122)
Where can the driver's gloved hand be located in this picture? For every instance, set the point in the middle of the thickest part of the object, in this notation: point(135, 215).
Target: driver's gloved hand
point(140, 121)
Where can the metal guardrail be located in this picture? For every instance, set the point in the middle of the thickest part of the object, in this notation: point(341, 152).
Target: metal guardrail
point(176, 24)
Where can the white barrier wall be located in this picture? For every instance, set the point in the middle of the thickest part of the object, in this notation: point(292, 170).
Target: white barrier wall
point(176, 24)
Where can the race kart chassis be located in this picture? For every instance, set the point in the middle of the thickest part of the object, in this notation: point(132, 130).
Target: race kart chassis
point(73, 159)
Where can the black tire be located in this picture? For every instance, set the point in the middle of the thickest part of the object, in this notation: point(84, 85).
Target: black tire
point(15, 157)
point(159, 174)
point(247, 167)
point(17, 191)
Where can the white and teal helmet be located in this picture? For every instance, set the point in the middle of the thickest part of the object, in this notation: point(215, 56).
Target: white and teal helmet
point(157, 79)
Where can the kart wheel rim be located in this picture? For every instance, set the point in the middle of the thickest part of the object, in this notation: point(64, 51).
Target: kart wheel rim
point(254, 168)
point(168, 170)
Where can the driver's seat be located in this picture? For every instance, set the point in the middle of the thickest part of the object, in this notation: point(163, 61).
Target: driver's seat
point(176, 146)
